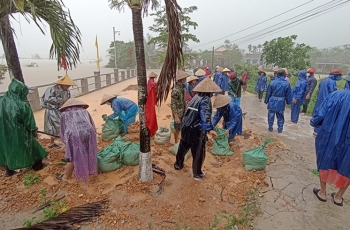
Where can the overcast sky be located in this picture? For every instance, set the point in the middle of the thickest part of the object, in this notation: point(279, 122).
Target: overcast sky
point(216, 19)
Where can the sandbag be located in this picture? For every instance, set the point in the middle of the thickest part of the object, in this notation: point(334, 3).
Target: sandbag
point(255, 159)
point(162, 136)
point(221, 146)
point(174, 149)
point(131, 153)
point(108, 159)
point(111, 128)
point(172, 127)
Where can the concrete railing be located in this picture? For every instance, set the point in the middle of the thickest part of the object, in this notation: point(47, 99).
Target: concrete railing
point(83, 86)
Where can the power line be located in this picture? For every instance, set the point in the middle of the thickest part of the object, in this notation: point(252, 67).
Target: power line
point(291, 24)
point(325, 7)
point(255, 24)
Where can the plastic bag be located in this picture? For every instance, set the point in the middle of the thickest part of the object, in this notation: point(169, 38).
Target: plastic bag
point(162, 136)
point(174, 149)
point(111, 128)
point(255, 159)
point(108, 159)
point(221, 146)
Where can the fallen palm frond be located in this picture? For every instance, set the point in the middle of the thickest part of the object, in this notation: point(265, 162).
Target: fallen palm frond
point(174, 56)
point(65, 220)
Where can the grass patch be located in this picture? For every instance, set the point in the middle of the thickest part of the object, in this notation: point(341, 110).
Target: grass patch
point(30, 179)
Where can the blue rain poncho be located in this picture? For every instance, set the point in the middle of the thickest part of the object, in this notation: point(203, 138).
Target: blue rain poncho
point(126, 110)
point(347, 85)
point(278, 94)
point(233, 122)
point(261, 84)
point(332, 141)
point(216, 77)
point(223, 82)
point(298, 93)
point(326, 87)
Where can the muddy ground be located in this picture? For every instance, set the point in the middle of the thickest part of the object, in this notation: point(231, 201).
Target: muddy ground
point(284, 189)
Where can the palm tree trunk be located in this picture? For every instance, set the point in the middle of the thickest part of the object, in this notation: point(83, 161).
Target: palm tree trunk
point(145, 168)
point(11, 55)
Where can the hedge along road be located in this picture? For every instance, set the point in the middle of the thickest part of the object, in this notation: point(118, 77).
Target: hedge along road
point(288, 202)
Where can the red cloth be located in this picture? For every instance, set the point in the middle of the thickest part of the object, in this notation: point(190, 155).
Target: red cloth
point(151, 83)
point(64, 63)
point(207, 72)
point(245, 79)
point(151, 116)
point(331, 176)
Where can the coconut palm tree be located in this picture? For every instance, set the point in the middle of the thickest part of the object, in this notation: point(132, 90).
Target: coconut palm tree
point(65, 35)
point(174, 54)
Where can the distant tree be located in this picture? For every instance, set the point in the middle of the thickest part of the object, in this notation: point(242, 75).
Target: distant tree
point(284, 52)
point(123, 52)
point(160, 27)
point(233, 54)
point(3, 70)
point(206, 57)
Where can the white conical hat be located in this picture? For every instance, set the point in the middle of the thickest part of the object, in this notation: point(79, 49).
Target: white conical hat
point(220, 101)
point(74, 102)
point(181, 75)
point(226, 70)
point(207, 86)
point(65, 80)
point(191, 78)
point(152, 75)
point(107, 97)
point(200, 73)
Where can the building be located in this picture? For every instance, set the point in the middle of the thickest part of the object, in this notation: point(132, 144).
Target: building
point(326, 64)
point(254, 59)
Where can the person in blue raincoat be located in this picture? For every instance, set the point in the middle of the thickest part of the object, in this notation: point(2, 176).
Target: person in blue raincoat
point(347, 83)
point(217, 74)
point(298, 95)
point(326, 87)
point(123, 108)
point(278, 94)
point(223, 81)
point(232, 114)
point(200, 74)
point(261, 84)
point(332, 144)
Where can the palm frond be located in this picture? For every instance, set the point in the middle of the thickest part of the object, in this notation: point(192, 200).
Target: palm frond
point(119, 4)
point(65, 35)
point(66, 220)
point(174, 55)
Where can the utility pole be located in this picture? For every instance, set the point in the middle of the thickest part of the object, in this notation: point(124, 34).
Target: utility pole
point(212, 60)
point(115, 47)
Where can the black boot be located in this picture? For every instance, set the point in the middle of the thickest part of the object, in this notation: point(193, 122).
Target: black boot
point(39, 165)
point(9, 172)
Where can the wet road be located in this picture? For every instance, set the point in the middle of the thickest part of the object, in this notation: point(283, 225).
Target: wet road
point(288, 202)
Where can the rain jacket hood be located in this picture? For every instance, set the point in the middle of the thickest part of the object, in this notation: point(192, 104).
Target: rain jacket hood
point(335, 77)
point(302, 75)
point(17, 89)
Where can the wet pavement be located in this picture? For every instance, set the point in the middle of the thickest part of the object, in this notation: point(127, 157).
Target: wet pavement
point(288, 202)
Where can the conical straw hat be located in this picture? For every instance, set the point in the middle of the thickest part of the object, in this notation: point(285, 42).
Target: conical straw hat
point(220, 101)
point(285, 70)
point(74, 102)
point(65, 80)
point(181, 75)
point(207, 86)
point(200, 73)
point(107, 97)
point(226, 70)
point(191, 78)
point(152, 75)
point(220, 69)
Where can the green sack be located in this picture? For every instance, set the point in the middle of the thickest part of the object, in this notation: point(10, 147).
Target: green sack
point(174, 149)
point(255, 159)
point(108, 159)
point(172, 127)
point(111, 128)
point(131, 154)
point(221, 146)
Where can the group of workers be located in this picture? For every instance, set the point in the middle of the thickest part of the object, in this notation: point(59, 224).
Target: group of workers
point(65, 118)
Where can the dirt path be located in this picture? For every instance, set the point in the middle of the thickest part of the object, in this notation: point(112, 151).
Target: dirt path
point(288, 202)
